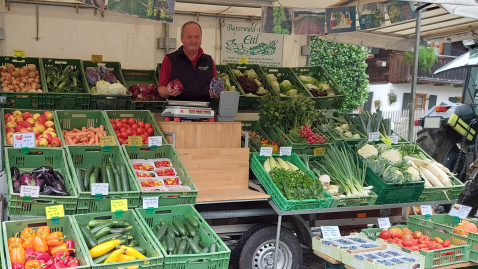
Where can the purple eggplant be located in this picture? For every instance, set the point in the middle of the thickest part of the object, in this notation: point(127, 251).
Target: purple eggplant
point(43, 169)
point(26, 179)
point(48, 178)
point(15, 173)
point(47, 190)
point(16, 186)
point(57, 185)
point(58, 176)
point(39, 182)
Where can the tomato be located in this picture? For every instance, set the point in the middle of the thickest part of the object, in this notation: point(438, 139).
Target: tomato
point(131, 121)
point(117, 120)
point(438, 239)
point(134, 126)
point(122, 129)
point(119, 125)
point(446, 243)
point(140, 130)
point(148, 125)
point(417, 234)
point(385, 234)
point(129, 131)
point(134, 132)
point(112, 121)
point(415, 248)
point(150, 130)
point(140, 123)
point(124, 120)
point(124, 135)
point(145, 137)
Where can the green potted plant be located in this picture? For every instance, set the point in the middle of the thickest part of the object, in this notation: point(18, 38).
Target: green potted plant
point(392, 98)
point(426, 58)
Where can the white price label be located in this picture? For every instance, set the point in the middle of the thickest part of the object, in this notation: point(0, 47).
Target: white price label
point(99, 188)
point(395, 139)
point(26, 140)
point(155, 141)
point(32, 191)
point(287, 151)
point(426, 209)
point(384, 223)
point(150, 202)
point(329, 232)
point(374, 136)
point(266, 151)
point(460, 211)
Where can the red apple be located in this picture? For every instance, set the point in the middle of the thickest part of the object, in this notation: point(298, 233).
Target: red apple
point(26, 115)
point(9, 130)
point(11, 118)
point(24, 130)
point(50, 130)
point(48, 115)
point(18, 128)
point(19, 118)
point(41, 128)
point(30, 121)
point(7, 115)
point(56, 142)
point(48, 136)
point(9, 140)
point(11, 124)
point(42, 142)
point(36, 116)
point(17, 113)
point(49, 124)
point(41, 119)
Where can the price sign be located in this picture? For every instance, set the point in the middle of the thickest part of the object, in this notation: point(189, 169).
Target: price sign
point(150, 202)
point(107, 140)
point(266, 151)
point(374, 136)
point(55, 211)
point(99, 188)
point(96, 58)
point(387, 141)
point(32, 191)
point(24, 140)
point(395, 139)
point(329, 232)
point(18, 53)
point(244, 60)
point(155, 141)
point(135, 140)
point(287, 151)
point(426, 209)
point(119, 205)
point(460, 211)
point(319, 151)
point(384, 223)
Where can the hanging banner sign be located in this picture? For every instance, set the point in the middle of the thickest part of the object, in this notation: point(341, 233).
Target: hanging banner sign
point(371, 15)
point(243, 39)
point(309, 21)
point(340, 19)
point(158, 10)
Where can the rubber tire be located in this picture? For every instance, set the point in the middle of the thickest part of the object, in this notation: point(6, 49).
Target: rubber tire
point(245, 250)
point(440, 144)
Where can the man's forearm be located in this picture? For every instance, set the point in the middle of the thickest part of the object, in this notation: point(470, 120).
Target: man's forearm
point(163, 91)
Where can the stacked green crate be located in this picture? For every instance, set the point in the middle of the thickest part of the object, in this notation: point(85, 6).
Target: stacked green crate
point(109, 101)
point(3, 258)
point(146, 77)
point(26, 162)
point(81, 157)
point(214, 253)
point(34, 100)
point(60, 95)
point(277, 75)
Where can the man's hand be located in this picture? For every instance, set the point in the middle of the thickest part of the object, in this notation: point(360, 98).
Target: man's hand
point(212, 95)
point(175, 87)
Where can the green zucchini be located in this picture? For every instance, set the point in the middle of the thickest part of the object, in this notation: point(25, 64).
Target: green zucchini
point(89, 238)
point(161, 230)
point(102, 232)
point(102, 258)
point(103, 177)
point(196, 239)
point(80, 178)
point(140, 250)
point(175, 230)
point(123, 175)
point(121, 224)
point(93, 179)
point(110, 237)
point(96, 172)
point(170, 231)
point(179, 226)
point(101, 226)
point(194, 247)
point(170, 243)
point(133, 243)
point(163, 243)
point(97, 222)
point(191, 231)
point(86, 181)
point(192, 220)
point(121, 230)
point(182, 246)
point(119, 186)
point(110, 179)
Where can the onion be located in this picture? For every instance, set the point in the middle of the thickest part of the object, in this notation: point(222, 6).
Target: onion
point(30, 80)
point(34, 85)
point(37, 80)
point(32, 67)
point(39, 90)
point(15, 74)
point(32, 74)
point(3, 68)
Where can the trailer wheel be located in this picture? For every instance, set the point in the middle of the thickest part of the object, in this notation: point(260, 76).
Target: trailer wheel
point(255, 249)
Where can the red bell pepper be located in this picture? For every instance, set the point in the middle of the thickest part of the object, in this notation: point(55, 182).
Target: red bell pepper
point(30, 254)
point(70, 244)
point(61, 257)
point(73, 262)
point(58, 266)
point(18, 266)
point(42, 256)
point(48, 263)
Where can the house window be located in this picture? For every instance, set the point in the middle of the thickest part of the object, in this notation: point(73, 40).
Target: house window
point(420, 101)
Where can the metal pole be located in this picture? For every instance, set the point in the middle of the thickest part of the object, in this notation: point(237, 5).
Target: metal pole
point(276, 250)
point(411, 123)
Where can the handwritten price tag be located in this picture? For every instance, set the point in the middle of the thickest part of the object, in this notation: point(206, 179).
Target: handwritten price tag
point(387, 141)
point(287, 151)
point(155, 141)
point(395, 139)
point(32, 191)
point(24, 140)
point(244, 60)
point(426, 209)
point(460, 211)
point(18, 53)
point(150, 202)
point(384, 223)
point(55, 211)
point(330, 232)
point(96, 58)
point(374, 136)
point(107, 140)
point(99, 188)
point(319, 151)
point(135, 140)
point(266, 151)
point(119, 205)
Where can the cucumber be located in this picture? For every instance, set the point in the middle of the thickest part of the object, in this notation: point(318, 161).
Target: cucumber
point(97, 222)
point(161, 230)
point(121, 230)
point(194, 247)
point(191, 231)
point(202, 244)
point(170, 231)
point(89, 238)
point(182, 246)
point(121, 224)
point(205, 249)
point(86, 180)
point(110, 179)
point(110, 237)
point(179, 226)
point(192, 220)
point(170, 243)
point(103, 178)
point(93, 179)
point(175, 230)
point(102, 232)
point(101, 226)
point(80, 178)
point(213, 248)
point(123, 175)
point(196, 239)
point(119, 186)
point(102, 258)
point(96, 172)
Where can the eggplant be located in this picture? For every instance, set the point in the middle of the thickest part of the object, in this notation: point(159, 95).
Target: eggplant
point(26, 179)
point(16, 186)
point(15, 173)
point(58, 186)
point(48, 178)
point(43, 169)
point(58, 176)
point(47, 190)
point(36, 174)
point(39, 182)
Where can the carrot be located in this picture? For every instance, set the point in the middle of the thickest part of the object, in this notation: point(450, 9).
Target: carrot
point(69, 141)
point(104, 133)
point(78, 133)
point(92, 141)
point(102, 128)
point(75, 130)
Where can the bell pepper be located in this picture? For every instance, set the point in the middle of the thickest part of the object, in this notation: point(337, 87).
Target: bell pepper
point(33, 264)
point(61, 257)
point(28, 242)
point(28, 233)
point(59, 249)
point(17, 254)
point(43, 231)
point(12, 246)
point(30, 254)
point(48, 263)
point(132, 252)
point(71, 246)
point(39, 243)
point(57, 266)
point(126, 258)
point(15, 239)
point(73, 262)
point(114, 256)
point(54, 239)
point(42, 256)
point(18, 266)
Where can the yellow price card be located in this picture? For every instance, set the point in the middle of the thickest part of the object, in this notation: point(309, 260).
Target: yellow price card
point(244, 60)
point(55, 211)
point(119, 205)
point(387, 141)
point(319, 151)
point(18, 53)
point(107, 140)
point(135, 140)
point(96, 58)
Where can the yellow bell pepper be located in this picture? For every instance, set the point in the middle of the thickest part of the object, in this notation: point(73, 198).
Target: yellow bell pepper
point(104, 248)
point(114, 256)
point(133, 252)
point(126, 258)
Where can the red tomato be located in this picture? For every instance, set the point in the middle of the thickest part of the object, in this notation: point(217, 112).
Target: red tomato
point(124, 135)
point(385, 234)
point(131, 121)
point(124, 120)
point(446, 243)
point(119, 125)
point(114, 126)
point(140, 130)
point(134, 132)
point(150, 131)
point(145, 136)
point(122, 129)
point(147, 125)
point(134, 126)
point(117, 120)
point(129, 131)
point(140, 123)
point(415, 248)
point(112, 121)
point(417, 234)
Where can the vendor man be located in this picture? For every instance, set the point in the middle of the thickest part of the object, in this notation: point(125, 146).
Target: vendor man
point(189, 65)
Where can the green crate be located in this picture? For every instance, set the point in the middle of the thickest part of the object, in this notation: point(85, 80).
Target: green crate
point(373, 233)
point(23, 99)
point(12, 228)
point(108, 101)
point(277, 197)
point(143, 115)
point(11, 110)
point(70, 119)
point(59, 100)
point(169, 197)
point(146, 77)
point(154, 256)
point(319, 73)
point(256, 127)
point(3, 257)
point(55, 158)
point(82, 157)
point(299, 148)
point(354, 201)
point(215, 260)
point(442, 193)
point(249, 102)
point(225, 69)
point(285, 73)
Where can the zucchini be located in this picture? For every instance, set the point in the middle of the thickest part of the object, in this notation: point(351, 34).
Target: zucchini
point(103, 178)
point(193, 246)
point(86, 180)
point(102, 232)
point(119, 186)
point(191, 231)
point(121, 224)
point(97, 222)
point(133, 243)
point(102, 258)
point(213, 247)
point(101, 226)
point(140, 250)
point(110, 237)
point(121, 230)
point(170, 243)
point(205, 249)
point(202, 244)
point(192, 220)
point(123, 175)
point(80, 178)
point(93, 179)
point(179, 226)
point(96, 172)
point(182, 246)
point(169, 231)
point(175, 230)
point(161, 230)
point(89, 238)
point(196, 239)
point(163, 243)
point(110, 179)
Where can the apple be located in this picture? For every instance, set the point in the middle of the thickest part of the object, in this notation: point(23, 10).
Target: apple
point(9, 140)
point(8, 115)
point(23, 124)
point(50, 130)
point(49, 124)
point(24, 130)
point(17, 113)
point(11, 118)
point(9, 135)
point(56, 142)
point(53, 134)
point(48, 136)
point(41, 128)
point(26, 115)
point(19, 118)
point(30, 121)
point(42, 142)
point(9, 130)
point(41, 119)
point(36, 116)
point(48, 115)
point(18, 128)
point(11, 124)
point(36, 130)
